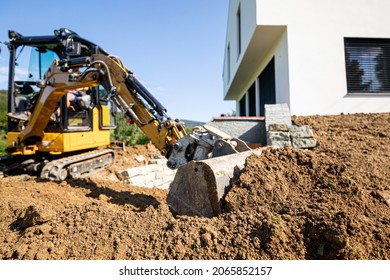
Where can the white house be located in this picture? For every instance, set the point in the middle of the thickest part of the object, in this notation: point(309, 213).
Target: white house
point(319, 57)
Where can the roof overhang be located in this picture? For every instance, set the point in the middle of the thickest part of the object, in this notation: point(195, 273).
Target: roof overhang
point(263, 40)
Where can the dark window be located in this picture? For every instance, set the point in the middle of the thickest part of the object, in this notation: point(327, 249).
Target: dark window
point(367, 65)
point(267, 86)
point(252, 100)
point(243, 106)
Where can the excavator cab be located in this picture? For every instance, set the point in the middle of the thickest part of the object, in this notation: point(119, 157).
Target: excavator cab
point(30, 62)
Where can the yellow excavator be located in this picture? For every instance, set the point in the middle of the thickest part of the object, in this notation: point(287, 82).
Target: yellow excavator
point(59, 139)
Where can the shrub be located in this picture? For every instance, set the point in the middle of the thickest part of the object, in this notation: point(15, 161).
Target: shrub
point(3, 121)
point(128, 133)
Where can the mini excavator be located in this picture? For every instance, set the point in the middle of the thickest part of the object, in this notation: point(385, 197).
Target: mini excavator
point(74, 143)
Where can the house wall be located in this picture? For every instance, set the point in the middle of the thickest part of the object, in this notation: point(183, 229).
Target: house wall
point(248, 25)
point(309, 54)
point(280, 53)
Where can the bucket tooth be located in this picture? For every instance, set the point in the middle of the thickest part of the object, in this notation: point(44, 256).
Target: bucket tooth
point(199, 186)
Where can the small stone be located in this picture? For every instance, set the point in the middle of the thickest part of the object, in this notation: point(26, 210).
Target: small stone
point(278, 127)
point(304, 143)
point(140, 158)
point(301, 131)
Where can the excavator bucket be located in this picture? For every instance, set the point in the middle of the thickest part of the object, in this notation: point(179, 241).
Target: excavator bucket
point(200, 186)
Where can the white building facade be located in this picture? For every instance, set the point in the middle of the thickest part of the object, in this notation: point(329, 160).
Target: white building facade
point(319, 57)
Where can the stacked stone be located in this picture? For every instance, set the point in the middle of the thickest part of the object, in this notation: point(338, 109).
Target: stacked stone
point(302, 137)
point(277, 123)
point(154, 175)
point(281, 132)
point(278, 135)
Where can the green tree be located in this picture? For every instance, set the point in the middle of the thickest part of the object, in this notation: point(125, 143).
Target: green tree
point(3, 121)
point(128, 133)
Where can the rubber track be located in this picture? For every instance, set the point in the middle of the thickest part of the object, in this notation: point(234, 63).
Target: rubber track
point(52, 170)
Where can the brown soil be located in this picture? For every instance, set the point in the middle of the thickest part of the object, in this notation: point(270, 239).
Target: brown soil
point(326, 203)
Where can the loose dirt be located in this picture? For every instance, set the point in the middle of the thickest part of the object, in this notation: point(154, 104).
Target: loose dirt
point(330, 202)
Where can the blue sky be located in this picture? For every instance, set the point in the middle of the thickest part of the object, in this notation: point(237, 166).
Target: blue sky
point(175, 47)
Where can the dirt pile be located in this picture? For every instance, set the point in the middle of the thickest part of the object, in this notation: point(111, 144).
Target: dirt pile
point(327, 203)
point(309, 206)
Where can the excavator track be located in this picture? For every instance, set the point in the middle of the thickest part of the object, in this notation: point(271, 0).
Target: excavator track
point(78, 166)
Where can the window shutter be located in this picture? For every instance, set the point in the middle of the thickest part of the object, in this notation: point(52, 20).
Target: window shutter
point(367, 65)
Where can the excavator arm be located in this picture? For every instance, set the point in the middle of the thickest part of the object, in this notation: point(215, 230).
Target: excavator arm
point(138, 105)
point(168, 135)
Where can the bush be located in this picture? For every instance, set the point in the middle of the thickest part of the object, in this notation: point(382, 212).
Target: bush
point(3, 121)
point(3, 110)
point(3, 144)
point(128, 133)
point(131, 134)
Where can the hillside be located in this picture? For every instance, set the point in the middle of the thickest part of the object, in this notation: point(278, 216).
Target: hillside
point(327, 203)
point(192, 123)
